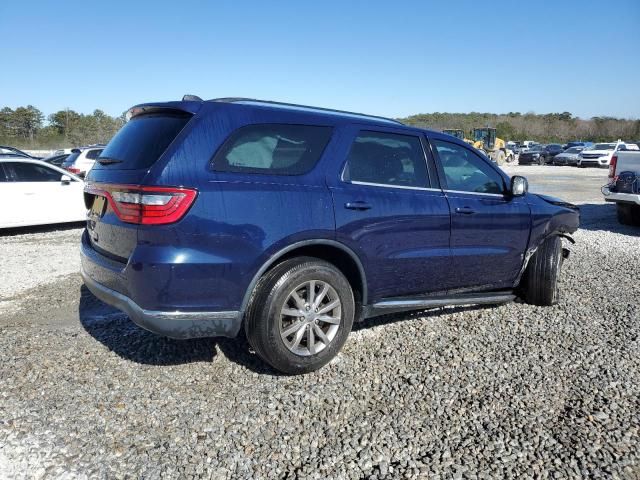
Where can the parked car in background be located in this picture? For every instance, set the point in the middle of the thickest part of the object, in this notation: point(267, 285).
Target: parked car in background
point(624, 186)
point(578, 143)
point(8, 151)
point(80, 161)
point(569, 157)
point(600, 154)
point(38, 193)
point(293, 222)
point(56, 160)
point(539, 154)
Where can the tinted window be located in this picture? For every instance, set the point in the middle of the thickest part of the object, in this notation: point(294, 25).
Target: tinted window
point(273, 149)
point(70, 159)
point(604, 146)
point(3, 176)
point(142, 140)
point(30, 172)
point(93, 154)
point(386, 159)
point(467, 172)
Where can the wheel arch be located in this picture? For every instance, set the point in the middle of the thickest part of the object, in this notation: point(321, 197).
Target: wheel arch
point(336, 253)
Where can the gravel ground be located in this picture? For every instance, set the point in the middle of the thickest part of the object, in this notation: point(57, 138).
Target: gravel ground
point(514, 391)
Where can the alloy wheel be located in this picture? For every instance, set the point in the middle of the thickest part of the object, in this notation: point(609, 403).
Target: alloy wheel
point(310, 318)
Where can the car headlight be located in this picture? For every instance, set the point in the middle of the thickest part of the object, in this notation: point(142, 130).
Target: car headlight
point(536, 155)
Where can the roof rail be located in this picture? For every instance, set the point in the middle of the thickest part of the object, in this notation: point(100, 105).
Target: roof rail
point(295, 105)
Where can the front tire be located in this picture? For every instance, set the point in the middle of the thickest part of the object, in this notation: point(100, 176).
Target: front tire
point(300, 315)
point(500, 157)
point(540, 280)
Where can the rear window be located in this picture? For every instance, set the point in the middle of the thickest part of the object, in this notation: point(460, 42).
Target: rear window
point(93, 154)
point(275, 149)
point(142, 140)
point(70, 159)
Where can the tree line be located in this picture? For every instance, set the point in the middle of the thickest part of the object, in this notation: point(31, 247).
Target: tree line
point(545, 128)
point(26, 127)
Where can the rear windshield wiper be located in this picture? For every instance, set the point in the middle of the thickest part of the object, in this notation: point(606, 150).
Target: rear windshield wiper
point(108, 160)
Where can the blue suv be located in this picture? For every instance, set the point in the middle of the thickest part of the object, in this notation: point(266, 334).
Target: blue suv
point(293, 222)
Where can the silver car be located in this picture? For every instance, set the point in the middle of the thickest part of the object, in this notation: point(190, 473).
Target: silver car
point(568, 157)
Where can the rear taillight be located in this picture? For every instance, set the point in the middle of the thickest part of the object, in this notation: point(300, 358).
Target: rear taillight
point(612, 166)
point(146, 205)
point(73, 170)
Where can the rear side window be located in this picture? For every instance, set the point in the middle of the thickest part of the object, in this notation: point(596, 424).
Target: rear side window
point(386, 159)
point(274, 149)
point(142, 140)
point(31, 172)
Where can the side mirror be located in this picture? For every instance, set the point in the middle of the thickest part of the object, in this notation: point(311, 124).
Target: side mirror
point(519, 186)
point(65, 179)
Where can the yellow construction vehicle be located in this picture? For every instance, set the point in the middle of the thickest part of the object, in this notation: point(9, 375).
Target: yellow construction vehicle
point(485, 139)
point(458, 133)
point(454, 132)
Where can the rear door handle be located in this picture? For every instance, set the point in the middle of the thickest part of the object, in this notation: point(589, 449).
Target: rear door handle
point(465, 210)
point(359, 205)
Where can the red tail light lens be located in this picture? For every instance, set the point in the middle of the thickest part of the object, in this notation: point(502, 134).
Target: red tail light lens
point(146, 205)
point(73, 170)
point(612, 166)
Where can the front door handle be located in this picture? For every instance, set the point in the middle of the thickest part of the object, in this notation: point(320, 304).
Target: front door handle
point(465, 210)
point(359, 205)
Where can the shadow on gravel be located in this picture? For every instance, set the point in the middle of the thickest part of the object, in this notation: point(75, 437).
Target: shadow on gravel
point(114, 330)
point(120, 335)
point(602, 216)
point(9, 232)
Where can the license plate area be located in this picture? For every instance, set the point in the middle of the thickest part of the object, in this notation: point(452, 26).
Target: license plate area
point(98, 207)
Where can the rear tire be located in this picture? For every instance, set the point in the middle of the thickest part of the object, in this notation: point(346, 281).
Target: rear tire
point(540, 280)
point(541, 160)
point(281, 303)
point(628, 214)
point(500, 158)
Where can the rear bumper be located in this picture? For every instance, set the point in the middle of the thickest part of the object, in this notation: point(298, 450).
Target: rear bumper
point(174, 324)
point(629, 198)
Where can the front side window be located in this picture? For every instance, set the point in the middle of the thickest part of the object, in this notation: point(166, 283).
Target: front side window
point(387, 159)
point(467, 172)
point(274, 149)
point(31, 172)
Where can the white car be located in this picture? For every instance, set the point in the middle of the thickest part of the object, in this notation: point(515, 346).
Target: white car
point(81, 160)
point(600, 154)
point(33, 192)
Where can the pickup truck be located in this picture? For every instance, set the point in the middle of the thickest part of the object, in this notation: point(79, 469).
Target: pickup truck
point(624, 186)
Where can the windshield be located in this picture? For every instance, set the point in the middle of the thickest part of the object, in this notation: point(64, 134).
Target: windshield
point(535, 148)
point(574, 150)
point(604, 146)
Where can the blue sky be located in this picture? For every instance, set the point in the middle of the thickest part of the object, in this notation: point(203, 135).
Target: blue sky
point(380, 57)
